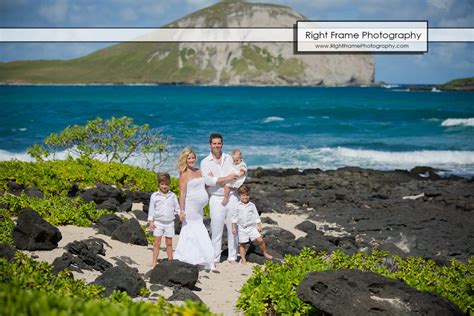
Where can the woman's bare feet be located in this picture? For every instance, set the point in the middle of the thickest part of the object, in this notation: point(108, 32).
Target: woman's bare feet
point(243, 261)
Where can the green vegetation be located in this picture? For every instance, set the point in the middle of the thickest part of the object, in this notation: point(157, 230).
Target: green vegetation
point(459, 84)
point(28, 287)
point(291, 68)
point(6, 228)
point(272, 289)
point(56, 210)
point(56, 177)
point(116, 139)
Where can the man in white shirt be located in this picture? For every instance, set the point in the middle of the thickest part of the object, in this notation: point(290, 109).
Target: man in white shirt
point(216, 170)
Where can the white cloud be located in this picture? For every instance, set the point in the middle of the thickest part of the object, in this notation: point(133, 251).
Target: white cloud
point(440, 4)
point(128, 14)
point(54, 12)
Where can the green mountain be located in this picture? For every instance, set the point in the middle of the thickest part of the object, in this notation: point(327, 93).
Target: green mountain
point(463, 84)
point(203, 63)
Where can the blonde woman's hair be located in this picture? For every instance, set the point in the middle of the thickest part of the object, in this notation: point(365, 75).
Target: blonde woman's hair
point(183, 156)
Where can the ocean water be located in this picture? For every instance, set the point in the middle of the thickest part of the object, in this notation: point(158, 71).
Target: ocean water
point(291, 127)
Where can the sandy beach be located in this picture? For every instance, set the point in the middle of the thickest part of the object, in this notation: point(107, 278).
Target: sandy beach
point(219, 289)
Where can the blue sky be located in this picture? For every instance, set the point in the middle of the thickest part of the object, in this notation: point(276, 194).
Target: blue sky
point(442, 63)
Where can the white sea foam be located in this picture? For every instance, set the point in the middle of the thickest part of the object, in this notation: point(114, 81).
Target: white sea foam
point(458, 122)
point(22, 129)
point(273, 119)
point(325, 158)
point(390, 86)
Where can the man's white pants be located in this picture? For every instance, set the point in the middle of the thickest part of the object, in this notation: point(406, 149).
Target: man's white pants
point(221, 215)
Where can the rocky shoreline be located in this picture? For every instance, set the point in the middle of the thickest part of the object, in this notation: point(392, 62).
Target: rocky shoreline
point(408, 213)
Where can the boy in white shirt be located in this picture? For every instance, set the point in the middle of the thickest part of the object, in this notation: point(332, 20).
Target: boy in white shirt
point(240, 169)
point(247, 223)
point(163, 206)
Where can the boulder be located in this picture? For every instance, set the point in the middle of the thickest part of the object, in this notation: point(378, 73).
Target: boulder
point(171, 273)
point(34, 192)
point(109, 204)
point(268, 220)
point(306, 227)
point(339, 292)
point(32, 232)
point(280, 240)
point(125, 206)
point(65, 261)
point(86, 254)
point(106, 224)
point(131, 233)
point(183, 294)
point(15, 188)
point(123, 279)
point(73, 191)
point(140, 215)
point(7, 252)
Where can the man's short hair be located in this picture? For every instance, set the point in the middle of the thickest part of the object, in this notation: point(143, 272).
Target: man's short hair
point(163, 177)
point(215, 135)
point(244, 189)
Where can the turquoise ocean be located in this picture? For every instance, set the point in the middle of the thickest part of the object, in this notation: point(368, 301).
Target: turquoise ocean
point(381, 128)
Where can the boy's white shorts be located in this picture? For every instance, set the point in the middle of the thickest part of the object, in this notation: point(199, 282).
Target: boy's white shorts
point(164, 229)
point(249, 233)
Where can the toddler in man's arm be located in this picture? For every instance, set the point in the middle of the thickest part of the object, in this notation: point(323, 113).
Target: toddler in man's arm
point(240, 169)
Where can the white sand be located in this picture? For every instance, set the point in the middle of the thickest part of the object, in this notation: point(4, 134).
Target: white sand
point(219, 291)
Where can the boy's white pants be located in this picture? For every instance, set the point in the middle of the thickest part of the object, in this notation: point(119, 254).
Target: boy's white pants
point(221, 215)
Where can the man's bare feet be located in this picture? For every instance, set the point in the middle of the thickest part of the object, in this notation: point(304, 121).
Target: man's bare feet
point(267, 255)
point(225, 200)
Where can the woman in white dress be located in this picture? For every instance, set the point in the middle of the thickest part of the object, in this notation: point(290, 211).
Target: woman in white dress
point(194, 245)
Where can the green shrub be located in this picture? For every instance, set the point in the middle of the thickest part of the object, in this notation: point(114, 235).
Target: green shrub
point(56, 177)
point(273, 289)
point(14, 301)
point(28, 287)
point(6, 228)
point(57, 210)
point(115, 139)
point(27, 273)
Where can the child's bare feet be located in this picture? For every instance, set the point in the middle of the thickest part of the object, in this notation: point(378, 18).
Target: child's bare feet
point(267, 255)
point(153, 264)
point(225, 200)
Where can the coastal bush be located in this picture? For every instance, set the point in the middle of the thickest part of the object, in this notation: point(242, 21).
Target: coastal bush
point(56, 177)
point(57, 210)
point(26, 273)
point(14, 301)
point(6, 228)
point(29, 287)
point(115, 140)
point(273, 288)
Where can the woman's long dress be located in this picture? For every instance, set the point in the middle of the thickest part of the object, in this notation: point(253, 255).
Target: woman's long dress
point(194, 245)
